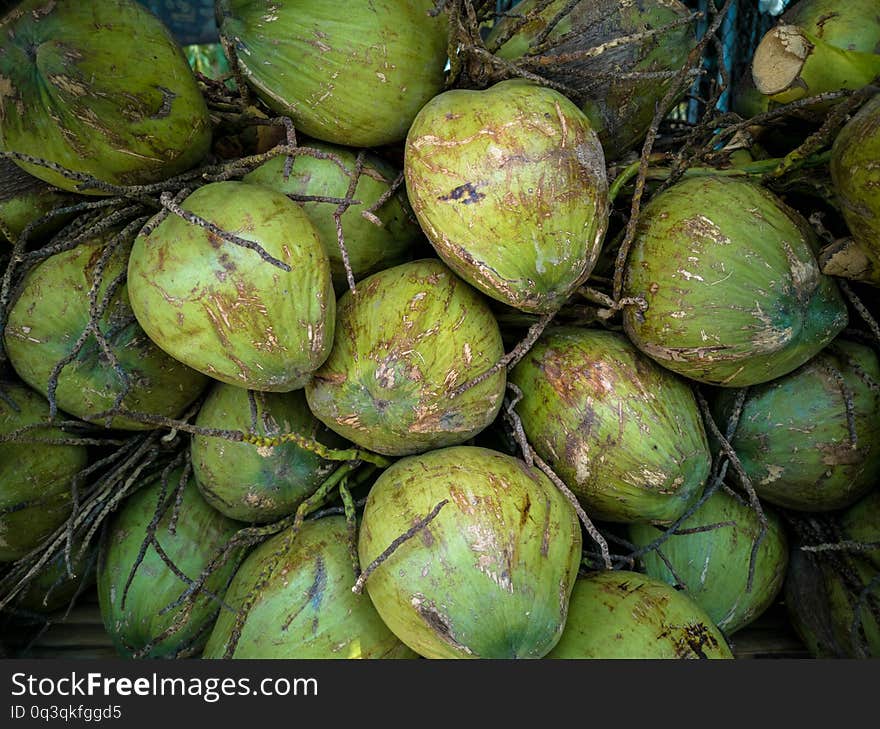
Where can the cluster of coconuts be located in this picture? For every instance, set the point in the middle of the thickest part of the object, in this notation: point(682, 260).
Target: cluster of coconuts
point(391, 346)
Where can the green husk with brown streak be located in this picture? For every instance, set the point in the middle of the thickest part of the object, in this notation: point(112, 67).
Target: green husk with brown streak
point(51, 312)
point(509, 186)
point(491, 575)
point(712, 559)
point(354, 75)
point(622, 614)
point(794, 436)
point(257, 483)
point(623, 433)
point(856, 179)
point(372, 245)
point(307, 609)
point(404, 344)
point(99, 88)
point(732, 291)
point(224, 310)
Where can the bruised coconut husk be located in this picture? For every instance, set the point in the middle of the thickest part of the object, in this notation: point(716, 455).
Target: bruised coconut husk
point(136, 583)
point(586, 53)
point(308, 609)
point(379, 232)
point(263, 322)
point(733, 290)
point(509, 185)
point(257, 483)
point(99, 88)
point(810, 440)
point(623, 433)
point(711, 559)
point(404, 344)
point(622, 614)
point(35, 493)
point(856, 179)
point(48, 326)
point(491, 575)
point(355, 76)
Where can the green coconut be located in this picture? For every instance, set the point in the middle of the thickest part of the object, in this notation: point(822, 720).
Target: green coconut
point(51, 313)
point(370, 247)
point(623, 433)
point(412, 336)
point(860, 523)
point(733, 291)
point(509, 185)
point(35, 494)
point(793, 437)
point(857, 184)
point(619, 106)
point(53, 588)
point(223, 310)
point(853, 26)
point(307, 609)
point(713, 564)
point(24, 200)
point(620, 614)
point(835, 614)
point(136, 622)
point(355, 76)
point(491, 575)
point(256, 483)
point(99, 88)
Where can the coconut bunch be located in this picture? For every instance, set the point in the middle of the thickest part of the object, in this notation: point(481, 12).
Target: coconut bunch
point(418, 335)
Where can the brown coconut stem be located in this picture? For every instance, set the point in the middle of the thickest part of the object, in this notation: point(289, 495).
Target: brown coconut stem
point(395, 545)
point(745, 481)
point(510, 359)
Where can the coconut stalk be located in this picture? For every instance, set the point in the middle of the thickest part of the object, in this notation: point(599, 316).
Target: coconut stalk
point(790, 64)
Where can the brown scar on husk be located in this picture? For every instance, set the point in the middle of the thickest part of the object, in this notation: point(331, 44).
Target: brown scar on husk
point(437, 622)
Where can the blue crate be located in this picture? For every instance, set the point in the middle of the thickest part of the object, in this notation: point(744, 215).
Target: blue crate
point(191, 21)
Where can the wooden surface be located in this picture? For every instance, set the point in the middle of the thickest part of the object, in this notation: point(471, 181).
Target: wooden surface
point(82, 636)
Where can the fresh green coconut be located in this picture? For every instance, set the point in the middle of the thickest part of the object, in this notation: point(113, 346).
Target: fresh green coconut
point(857, 184)
point(619, 104)
point(731, 290)
point(134, 613)
point(355, 75)
point(793, 436)
point(623, 433)
point(373, 244)
point(101, 89)
point(53, 311)
point(491, 575)
point(257, 483)
point(509, 185)
point(404, 344)
point(222, 309)
point(621, 614)
point(712, 557)
point(307, 608)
